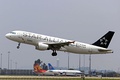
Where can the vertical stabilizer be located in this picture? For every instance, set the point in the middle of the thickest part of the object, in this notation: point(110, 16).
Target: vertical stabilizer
point(104, 41)
point(50, 67)
point(37, 67)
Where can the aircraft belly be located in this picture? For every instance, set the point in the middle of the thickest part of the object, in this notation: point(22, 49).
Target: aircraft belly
point(76, 50)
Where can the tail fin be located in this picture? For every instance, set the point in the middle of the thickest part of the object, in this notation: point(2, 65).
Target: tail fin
point(105, 40)
point(50, 66)
point(38, 69)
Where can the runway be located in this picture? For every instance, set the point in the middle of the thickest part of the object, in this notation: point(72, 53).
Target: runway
point(36, 77)
point(55, 78)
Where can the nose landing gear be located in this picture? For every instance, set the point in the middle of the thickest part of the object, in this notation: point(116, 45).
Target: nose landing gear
point(18, 46)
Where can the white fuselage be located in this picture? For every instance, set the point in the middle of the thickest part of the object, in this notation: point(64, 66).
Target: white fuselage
point(35, 39)
point(65, 72)
point(61, 72)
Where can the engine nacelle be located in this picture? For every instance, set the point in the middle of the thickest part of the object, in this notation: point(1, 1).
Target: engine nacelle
point(42, 46)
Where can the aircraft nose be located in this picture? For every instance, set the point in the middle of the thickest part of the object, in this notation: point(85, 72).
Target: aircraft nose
point(7, 36)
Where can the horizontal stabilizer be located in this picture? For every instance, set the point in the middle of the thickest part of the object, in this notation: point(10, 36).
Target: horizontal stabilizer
point(102, 50)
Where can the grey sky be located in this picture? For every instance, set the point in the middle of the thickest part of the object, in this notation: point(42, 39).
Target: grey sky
point(81, 20)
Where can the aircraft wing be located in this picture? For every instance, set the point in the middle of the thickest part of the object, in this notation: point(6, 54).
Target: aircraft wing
point(58, 45)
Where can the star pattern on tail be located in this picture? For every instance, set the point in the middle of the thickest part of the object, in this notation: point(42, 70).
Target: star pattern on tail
point(103, 41)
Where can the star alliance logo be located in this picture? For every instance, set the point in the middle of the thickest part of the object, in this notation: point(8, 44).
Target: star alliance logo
point(103, 41)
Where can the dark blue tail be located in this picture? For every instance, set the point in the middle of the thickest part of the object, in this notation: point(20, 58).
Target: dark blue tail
point(104, 41)
point(50, 66)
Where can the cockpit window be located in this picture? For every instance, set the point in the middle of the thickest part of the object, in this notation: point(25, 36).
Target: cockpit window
point(12, 32)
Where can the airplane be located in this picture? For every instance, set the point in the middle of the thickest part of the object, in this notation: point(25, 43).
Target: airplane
point(63, 72)
point(44, 42)
point(40, 71)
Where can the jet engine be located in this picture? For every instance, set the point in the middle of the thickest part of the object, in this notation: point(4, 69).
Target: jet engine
point(42, 46)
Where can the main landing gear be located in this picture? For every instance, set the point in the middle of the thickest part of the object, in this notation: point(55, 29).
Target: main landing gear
point(54, 53)
point(18, 46)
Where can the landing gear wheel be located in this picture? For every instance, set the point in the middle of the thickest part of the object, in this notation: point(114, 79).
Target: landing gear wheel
point(18, 46)
point(54, 53)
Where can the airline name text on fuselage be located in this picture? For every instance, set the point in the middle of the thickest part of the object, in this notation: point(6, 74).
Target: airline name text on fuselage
point(50, 39)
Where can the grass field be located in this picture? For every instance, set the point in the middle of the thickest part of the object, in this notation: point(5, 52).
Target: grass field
point(52, 78)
